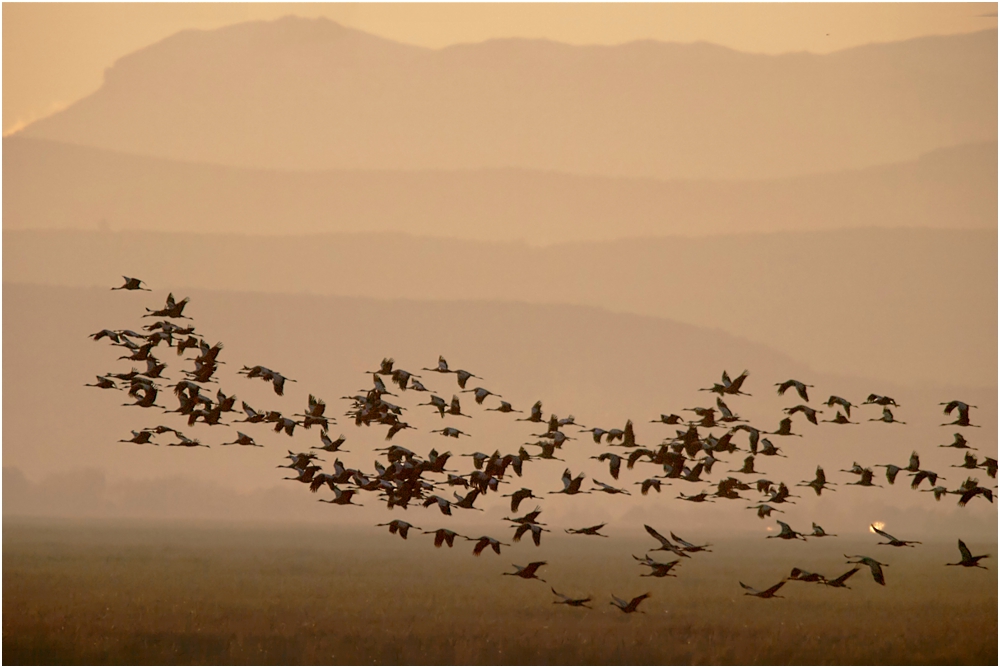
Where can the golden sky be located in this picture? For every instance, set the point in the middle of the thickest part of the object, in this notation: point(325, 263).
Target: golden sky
point(56, 53)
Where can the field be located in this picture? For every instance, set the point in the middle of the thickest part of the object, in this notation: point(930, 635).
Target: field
point(130, 593)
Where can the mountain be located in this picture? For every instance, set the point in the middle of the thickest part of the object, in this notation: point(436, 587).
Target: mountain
point(601, 367)
point(57, 185)
point(902, 305)
point(311, 94)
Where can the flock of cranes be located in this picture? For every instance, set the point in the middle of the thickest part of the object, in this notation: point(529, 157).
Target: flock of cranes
point(403, 477)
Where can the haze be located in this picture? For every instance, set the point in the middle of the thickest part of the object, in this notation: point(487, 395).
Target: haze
point(598, 207)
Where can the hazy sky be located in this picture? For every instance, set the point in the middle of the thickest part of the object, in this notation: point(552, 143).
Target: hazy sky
point(56, 53)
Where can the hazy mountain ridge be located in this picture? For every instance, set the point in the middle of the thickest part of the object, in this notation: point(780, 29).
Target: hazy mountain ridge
point(56, 185)
point(912, 305)
point(325, 96)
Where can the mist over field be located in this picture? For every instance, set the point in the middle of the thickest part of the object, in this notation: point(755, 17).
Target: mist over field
point(605, 229)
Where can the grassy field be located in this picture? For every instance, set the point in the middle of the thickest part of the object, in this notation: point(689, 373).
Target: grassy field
point(125, 593)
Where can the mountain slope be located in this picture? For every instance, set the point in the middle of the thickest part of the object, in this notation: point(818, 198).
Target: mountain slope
point(311, 94)
point(56, 185)
point(908, 305)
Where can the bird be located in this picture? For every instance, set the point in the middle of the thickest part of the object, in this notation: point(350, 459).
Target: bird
point(938, 492)
point(818, 483)
point(530, 518)
point(959, 443)
point(887, 417)
point(839, 581)
point(572, 602)
point(601, 487)
point(764, 510)
point(442, 366)
point(659, 570)
point(596, 432)
point(482, 393)
point(799, 386)
point(464, 376)
point(571, 485)
point(343, 498)
point(668, 419)
point(186, 442)
point(769, 449)
point(840, 419)
point(132, 284)
point(787, 533)
point(690, 547)
point(528, 572)
point(172, 309)
point(970, 461)
point(505, 407)
point(330, 445)
point(766, 593)
point(819, 533)
point(922, 475)
point(588, 531)
point(400, 527)
point(630, 606)
point(990, 464)
point(891, 471)
point(733, 387)
point(444, 505)
point(485, 541)
point(385, 368)
point(536, 533)
point(243, 439)
point(809, 412)
point(443, 536)
point(805, 576)
point(466, 501)
point(873, 564)
point(895, 542)
point(647, 484)
point(536, 414)
point(840, 401)
point(139, 437)
point(455, 408)
point(879, 400)
point(449, 431)
point(520, 495)
point(866, 479)
point(614, 462)
point(784, 428)
point(968, 560)
point(969, 494)
point(665, 544)
point(695, 498)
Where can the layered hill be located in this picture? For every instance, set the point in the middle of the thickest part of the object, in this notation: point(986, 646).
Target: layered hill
point(312, 94)
point(57, 185)
point(908, 305)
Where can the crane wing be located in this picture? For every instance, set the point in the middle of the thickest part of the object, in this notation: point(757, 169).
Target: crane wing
point(771, 590)
point(882, 533)
point(652, 532)
point(966, 554)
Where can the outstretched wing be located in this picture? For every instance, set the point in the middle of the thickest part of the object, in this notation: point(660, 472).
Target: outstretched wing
point(882, 533)
point(771, 590)
point(681, 540)
point(637, 600)
point(652, 532)
point(966, 555)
